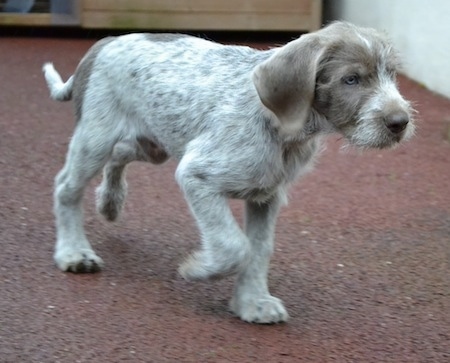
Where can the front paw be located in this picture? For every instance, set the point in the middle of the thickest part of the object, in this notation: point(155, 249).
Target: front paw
point(203, 265)
point(265, 309)
point(200, 266)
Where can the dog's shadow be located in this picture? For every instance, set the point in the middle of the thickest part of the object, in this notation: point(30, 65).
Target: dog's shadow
point(147, 265)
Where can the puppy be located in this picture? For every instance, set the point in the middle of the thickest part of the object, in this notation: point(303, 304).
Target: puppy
point(243, 123)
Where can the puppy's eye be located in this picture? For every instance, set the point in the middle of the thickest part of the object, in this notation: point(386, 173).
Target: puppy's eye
point(351, 80)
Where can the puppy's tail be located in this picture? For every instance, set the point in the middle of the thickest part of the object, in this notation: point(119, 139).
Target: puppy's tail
point(59, 90)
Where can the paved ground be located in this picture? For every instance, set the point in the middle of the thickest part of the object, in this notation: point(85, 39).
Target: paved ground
point(362, 258)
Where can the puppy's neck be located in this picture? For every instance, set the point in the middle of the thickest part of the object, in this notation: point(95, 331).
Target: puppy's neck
point(315, 126)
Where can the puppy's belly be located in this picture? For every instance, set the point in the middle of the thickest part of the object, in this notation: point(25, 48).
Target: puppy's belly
point(254, 194)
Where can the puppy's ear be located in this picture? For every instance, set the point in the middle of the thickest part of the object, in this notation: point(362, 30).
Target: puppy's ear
point(286, 81)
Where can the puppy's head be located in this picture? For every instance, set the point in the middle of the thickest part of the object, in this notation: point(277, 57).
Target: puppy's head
point(344, 73)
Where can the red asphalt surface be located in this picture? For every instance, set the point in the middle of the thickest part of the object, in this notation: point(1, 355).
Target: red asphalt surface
point(362, 258)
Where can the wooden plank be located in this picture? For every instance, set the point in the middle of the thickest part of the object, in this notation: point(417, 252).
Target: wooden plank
point(25, 19)
point(253, 6)
point(201, 21)
point(316, 15)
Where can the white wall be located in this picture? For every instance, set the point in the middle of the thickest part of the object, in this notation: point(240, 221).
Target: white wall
point(420, 29)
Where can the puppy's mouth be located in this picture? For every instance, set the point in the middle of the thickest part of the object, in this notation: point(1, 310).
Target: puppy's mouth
point(376, 135)
point(382, 143)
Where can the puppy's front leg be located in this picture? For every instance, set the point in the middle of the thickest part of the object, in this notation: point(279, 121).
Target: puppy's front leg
point(252, 301)
point(225, 247)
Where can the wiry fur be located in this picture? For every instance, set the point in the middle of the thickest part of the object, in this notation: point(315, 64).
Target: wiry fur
point(243, 124)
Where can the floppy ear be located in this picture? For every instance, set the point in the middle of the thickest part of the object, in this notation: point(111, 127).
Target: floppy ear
point(286, 81)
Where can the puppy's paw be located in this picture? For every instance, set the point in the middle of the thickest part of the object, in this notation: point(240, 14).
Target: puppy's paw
point(200, 266)
point(265, 309)
point(109, 203)
point(78, 261)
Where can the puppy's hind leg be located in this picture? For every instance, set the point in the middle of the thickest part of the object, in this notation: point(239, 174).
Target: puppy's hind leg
point(85, 158)
point(111, 193)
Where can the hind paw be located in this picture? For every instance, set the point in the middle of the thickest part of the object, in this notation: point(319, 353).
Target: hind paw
point(78, 261)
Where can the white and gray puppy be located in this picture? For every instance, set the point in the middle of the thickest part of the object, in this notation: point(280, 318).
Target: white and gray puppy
point(243, 123)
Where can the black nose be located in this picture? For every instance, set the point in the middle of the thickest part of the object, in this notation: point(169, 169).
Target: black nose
point(397, 122)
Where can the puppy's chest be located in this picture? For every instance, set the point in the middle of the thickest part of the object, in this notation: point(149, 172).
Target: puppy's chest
point(295, 160)
point(298, 158)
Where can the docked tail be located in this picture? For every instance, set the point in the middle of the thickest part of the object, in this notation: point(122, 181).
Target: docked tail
point(59, 90)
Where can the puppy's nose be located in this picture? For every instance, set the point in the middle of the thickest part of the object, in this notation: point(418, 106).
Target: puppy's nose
point(397, 122)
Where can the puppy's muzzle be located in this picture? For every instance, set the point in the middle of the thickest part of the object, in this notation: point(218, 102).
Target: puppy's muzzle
point(397, 122)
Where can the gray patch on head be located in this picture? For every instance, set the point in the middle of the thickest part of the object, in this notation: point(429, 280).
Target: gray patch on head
point(164, 37)
point(83, 72)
